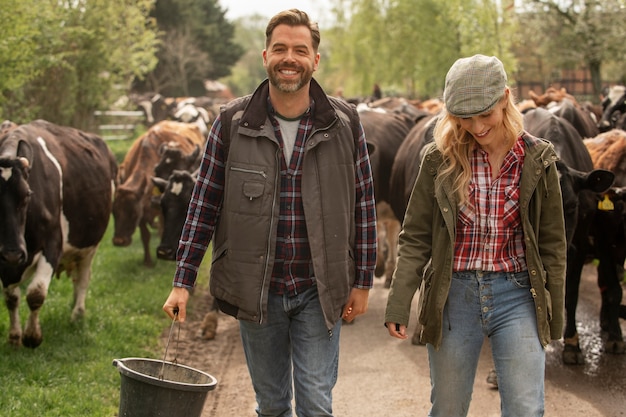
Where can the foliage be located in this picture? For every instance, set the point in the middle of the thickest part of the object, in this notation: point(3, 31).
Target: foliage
point(83, 49)
point(572, 34)
point(196, 44)
point(408, 45)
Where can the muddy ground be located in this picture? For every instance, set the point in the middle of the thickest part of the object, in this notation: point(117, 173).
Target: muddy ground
point(383, 377)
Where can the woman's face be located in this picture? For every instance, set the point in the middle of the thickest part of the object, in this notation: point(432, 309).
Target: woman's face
point(486, 128)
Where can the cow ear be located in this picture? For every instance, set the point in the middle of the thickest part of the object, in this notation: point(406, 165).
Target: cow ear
point(599, 180)
point(160, 183)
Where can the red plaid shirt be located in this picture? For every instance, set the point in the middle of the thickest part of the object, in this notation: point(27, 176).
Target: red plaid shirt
point(489, 235)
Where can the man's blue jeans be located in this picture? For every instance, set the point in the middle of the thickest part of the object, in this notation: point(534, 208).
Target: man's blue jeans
point(500, 306)
point(293, 349)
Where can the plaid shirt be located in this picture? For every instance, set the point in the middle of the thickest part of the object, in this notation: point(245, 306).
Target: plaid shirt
point(489, 233)
point(293, 270)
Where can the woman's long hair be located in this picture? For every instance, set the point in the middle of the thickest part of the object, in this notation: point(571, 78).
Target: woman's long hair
point(455, 144)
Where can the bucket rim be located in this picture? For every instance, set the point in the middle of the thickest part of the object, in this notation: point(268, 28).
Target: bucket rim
point(184, 386)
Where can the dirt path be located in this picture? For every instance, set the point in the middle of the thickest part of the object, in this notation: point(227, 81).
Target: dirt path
point(380, 376)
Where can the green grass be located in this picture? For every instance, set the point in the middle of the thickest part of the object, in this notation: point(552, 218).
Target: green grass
point(71, 373)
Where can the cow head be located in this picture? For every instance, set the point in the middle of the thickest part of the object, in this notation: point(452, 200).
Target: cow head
point(176, 194)
point(127, 211)
point(173, 158)
point(579, 192)
point(15, 194)
point(613, 109)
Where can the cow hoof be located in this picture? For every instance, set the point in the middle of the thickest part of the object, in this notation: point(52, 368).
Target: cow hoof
point(616, 347)
point(208, 329)
point(572, 355)
point(492, 379)
point(78, 314)
point(32, 341)
point(15, 339)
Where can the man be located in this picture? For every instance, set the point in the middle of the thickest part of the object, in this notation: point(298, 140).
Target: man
point(285, 192)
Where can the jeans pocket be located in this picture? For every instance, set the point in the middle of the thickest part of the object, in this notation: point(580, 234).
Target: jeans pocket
point(519, 279)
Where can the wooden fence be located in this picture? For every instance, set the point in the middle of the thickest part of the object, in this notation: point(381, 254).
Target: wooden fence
point(118, 124)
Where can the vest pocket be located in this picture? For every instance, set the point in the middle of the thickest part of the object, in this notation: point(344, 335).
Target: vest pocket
point(248, 188)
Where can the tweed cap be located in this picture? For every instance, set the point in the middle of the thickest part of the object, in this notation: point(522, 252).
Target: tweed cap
point(474, 85)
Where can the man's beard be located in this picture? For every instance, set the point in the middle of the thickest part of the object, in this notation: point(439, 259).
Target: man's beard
point(289, 86)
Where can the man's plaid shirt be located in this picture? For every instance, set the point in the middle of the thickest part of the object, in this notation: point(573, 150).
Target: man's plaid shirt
point(293, 270)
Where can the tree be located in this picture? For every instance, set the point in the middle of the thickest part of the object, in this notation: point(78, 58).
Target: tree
point(197, 43)
point(580, 31)
point(408, 45)
point(85, 48)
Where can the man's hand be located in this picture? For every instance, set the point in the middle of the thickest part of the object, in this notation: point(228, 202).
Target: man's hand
point(356, 305)
point(177, 300)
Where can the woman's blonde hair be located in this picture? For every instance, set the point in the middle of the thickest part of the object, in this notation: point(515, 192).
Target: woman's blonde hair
point(455, 144)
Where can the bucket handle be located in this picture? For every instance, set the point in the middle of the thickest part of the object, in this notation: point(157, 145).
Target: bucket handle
point(169, 336)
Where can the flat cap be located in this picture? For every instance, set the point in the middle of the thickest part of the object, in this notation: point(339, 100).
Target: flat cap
point(474, 85)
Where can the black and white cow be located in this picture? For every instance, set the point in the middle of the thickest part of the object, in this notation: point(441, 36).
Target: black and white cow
point(175, 196)
point(56, 187)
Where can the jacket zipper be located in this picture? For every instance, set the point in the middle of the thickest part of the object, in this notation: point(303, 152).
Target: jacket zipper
point(269, 236)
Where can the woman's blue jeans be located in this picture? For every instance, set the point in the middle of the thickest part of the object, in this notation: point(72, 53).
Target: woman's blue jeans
point(292, 350)
point(500, 306)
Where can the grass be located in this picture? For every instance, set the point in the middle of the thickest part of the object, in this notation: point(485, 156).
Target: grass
point(71, 374)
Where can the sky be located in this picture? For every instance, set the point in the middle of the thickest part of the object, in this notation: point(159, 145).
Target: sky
point(318, 10)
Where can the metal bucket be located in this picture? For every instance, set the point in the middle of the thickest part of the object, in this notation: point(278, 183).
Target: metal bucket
point(151, 388)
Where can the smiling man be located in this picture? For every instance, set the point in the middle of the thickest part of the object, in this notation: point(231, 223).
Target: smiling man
point(285, 192)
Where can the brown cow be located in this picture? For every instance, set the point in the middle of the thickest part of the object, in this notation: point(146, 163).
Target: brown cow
point(132, 205)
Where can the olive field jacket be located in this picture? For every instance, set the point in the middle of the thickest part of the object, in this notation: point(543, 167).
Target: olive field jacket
point(426, 244)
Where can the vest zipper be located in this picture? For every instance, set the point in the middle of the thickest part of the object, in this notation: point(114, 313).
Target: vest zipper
point(249, 171)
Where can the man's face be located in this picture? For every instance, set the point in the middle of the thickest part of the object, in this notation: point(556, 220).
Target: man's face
point(289, 58)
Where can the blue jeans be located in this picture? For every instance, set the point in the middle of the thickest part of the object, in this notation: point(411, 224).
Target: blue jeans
point(500, 306)
point(293, 349)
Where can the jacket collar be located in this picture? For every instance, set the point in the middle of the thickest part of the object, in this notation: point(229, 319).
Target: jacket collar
point(255, 113)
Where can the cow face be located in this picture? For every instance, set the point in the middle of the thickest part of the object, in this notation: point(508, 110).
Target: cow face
point(127, 211)
point(15, 196)
point(173, 158)
point(174, 202)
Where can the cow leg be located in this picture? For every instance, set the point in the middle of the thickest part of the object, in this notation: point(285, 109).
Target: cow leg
point(145, 240)
point(36, 294)
point(80, 278)
point(611, 291)
point(208, 328)
point(382, 250)
point(572, 355)
point(393, 231)
point(12, 301)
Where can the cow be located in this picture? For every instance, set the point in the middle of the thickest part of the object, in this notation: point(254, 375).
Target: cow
point(56, 188)
point(578, 178)
point(384, 132)
point(583, 120)
point(132, 204)
point(613, 109)
point(608, 151)
point(175, 196)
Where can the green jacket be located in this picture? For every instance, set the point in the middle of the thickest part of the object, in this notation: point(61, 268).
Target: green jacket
point(426, 245)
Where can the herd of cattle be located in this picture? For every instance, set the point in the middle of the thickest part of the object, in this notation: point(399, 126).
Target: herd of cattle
point(59, 187)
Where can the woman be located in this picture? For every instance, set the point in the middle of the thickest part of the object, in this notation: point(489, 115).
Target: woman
point(484, 241)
